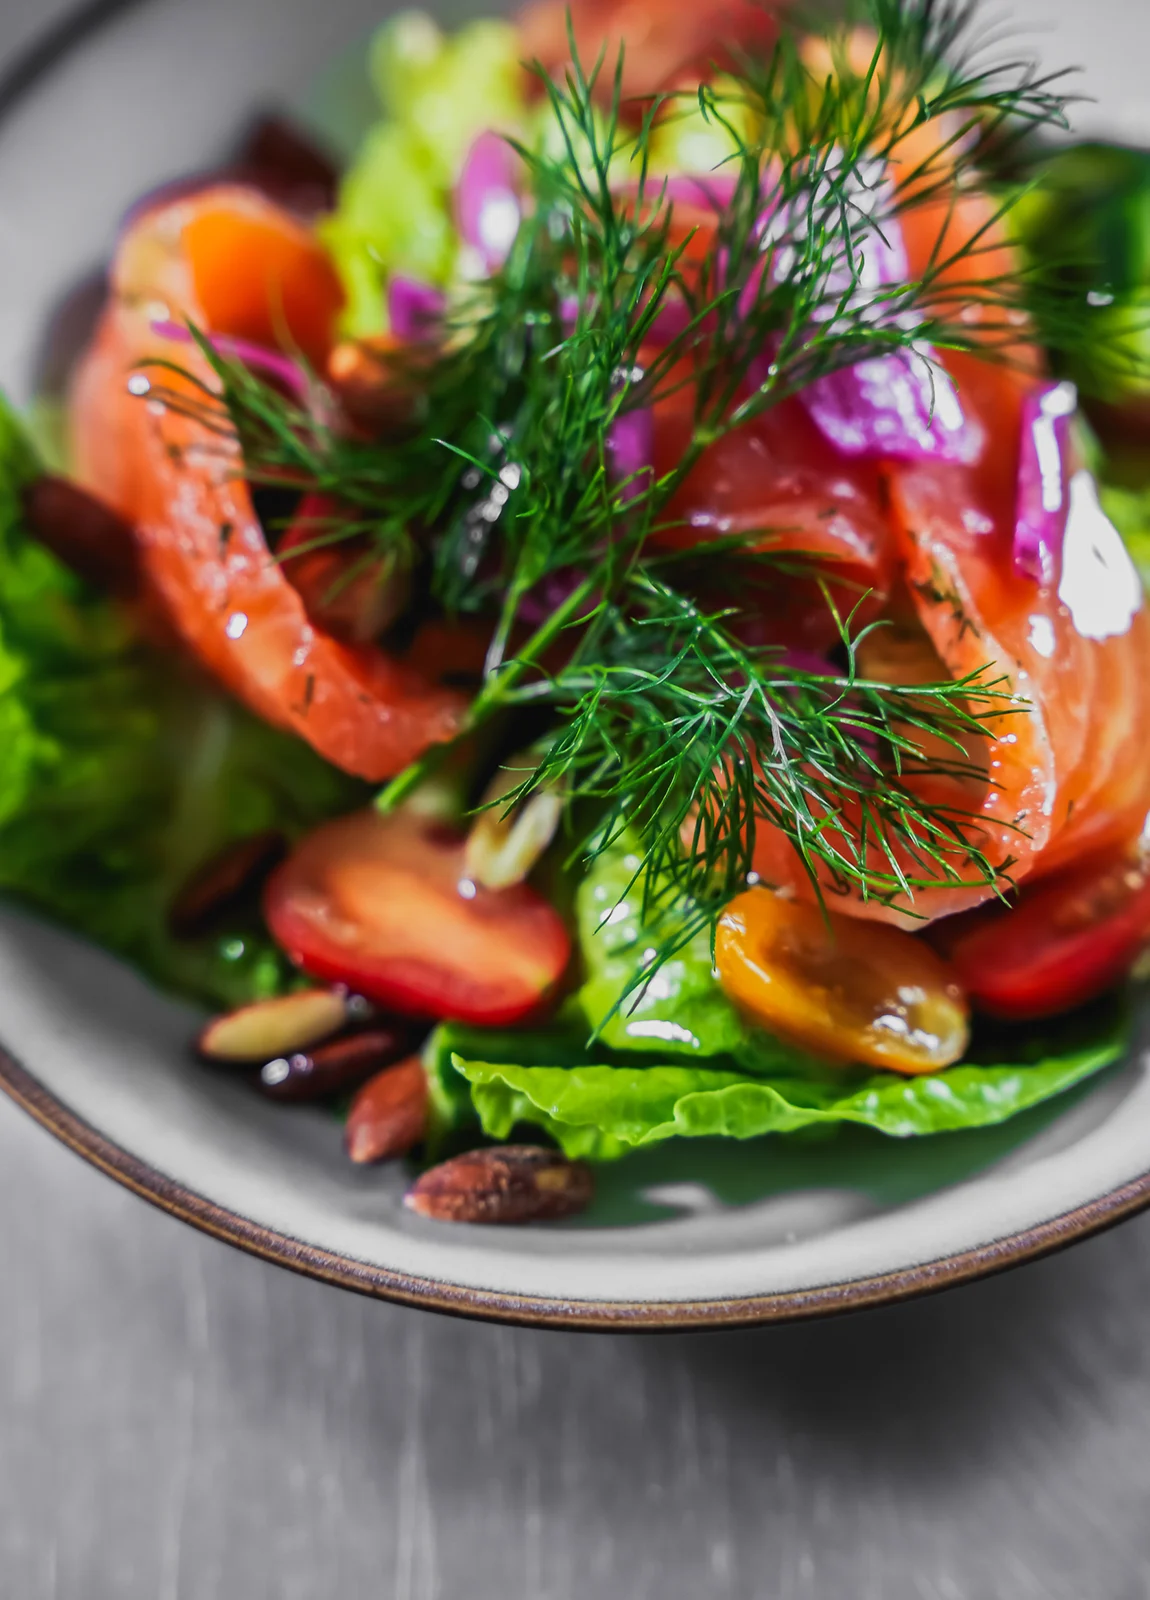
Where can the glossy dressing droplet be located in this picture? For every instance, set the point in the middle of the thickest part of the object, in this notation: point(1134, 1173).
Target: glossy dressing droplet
point(1100, 587)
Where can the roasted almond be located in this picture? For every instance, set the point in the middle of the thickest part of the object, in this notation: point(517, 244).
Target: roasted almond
point(271, 1028)
point(219, 885)
point(389, 1114)
point(508, 1183)
point(84, 533)
point(337, 1065)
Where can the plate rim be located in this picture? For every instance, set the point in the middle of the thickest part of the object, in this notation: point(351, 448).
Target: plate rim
point(24, 71)
point(593, 1316)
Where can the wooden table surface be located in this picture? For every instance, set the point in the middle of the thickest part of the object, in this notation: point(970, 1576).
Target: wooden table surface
point(180, 1422)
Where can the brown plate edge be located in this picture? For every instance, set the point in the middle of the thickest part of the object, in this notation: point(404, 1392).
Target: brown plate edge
point(347, 1272)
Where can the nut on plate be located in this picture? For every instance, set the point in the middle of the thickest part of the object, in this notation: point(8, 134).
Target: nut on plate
point(337, 1065)
point(389, 1114)
point(504, 1184)
point(504, 845)
point(270, 1028)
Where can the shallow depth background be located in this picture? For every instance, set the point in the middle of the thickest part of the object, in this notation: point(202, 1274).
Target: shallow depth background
point(178, 1422)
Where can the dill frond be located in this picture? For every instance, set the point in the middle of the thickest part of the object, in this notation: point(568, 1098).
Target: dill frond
point(662, 721)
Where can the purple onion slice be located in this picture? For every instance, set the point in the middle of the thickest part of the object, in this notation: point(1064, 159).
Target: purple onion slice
point(274, 362)
point(414, 308)
point(902, 405)
point(1044, 482)
point(630, 450)
point(487, 208)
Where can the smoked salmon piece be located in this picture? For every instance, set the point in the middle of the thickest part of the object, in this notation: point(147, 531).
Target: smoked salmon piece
point(777, 483)
point(1065, 768)
point(1067, 763)
point(231, 262)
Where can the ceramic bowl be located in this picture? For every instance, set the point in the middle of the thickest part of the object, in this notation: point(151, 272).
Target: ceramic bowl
point(119, 98)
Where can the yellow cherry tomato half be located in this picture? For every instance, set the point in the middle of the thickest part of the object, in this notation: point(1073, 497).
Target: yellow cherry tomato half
point(855, 991)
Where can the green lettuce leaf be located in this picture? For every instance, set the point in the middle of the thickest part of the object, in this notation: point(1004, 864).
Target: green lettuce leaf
point(122, 771)
point(682, 1010)
point(600, 1111)
point(678, 1060)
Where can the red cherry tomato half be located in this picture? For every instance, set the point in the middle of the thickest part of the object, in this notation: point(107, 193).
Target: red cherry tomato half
point(1069, 939)
point(382, 904)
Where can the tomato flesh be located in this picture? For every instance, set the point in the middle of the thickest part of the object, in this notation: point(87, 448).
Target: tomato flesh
point(1068, 940)
point(845, 989)
point(382, 904)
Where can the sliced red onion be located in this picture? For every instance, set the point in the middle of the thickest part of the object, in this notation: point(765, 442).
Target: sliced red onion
point(487, 209)
point(1043, 481)
point(630, 447)
point(902, 405)
point(274, 362)
point(413, 308)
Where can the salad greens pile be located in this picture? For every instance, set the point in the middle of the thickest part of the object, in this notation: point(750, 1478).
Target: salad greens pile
point(123, 769)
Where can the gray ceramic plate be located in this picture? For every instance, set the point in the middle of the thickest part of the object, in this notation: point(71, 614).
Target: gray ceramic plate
point(690, 1235)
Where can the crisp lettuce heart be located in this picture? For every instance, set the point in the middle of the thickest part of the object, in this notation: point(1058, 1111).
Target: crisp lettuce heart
point(681, 1010)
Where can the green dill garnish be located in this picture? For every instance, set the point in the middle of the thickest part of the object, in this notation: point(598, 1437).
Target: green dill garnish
point(660, 721)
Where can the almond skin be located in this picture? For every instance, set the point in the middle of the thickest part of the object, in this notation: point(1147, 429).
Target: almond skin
point(270, 1028)
point(339, 1064)
point(506, 1184)
point(389, 1114)
point(85, 534)
point(223, 881)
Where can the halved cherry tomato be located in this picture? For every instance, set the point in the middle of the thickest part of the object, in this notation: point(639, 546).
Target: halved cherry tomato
point(1067, 940)
point(845, 989)
point(383, 904)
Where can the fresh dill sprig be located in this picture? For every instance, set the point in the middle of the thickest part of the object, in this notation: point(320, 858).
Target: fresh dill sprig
point(504, 475)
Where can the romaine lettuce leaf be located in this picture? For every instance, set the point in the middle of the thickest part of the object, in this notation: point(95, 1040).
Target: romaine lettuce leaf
point(679, 1060)
point(600, 1111)
point(682, 1010)
point(121, 771)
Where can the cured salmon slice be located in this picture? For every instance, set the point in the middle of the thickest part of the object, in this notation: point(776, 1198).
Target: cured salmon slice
point(231, 262)
point(1066, 764)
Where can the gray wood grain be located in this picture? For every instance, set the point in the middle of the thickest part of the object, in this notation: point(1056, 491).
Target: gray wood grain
point(179, 1422)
